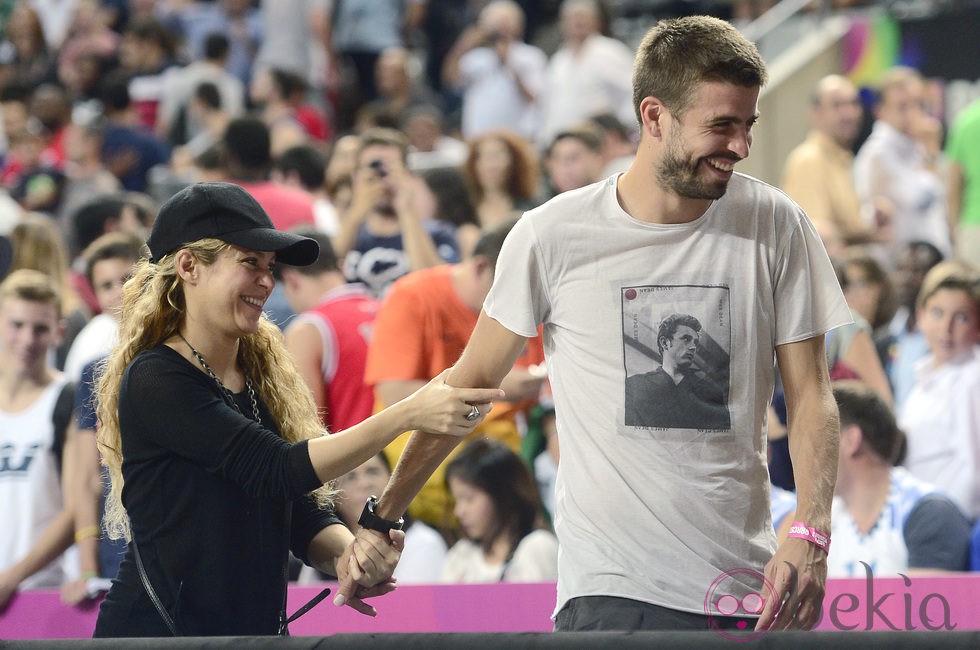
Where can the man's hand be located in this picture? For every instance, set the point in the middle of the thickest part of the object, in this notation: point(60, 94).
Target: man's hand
point(798, 574)
point(365, 194)
point(364, 570)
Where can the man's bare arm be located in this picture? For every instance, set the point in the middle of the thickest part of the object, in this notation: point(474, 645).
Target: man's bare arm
point(798, 570)
point(488, 357)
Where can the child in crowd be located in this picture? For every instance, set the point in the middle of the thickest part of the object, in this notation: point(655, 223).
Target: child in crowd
point(499, 510)
point(941, 416)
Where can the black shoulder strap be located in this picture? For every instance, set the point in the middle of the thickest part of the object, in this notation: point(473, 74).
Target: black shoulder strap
point(61, 418)
point(145, 579)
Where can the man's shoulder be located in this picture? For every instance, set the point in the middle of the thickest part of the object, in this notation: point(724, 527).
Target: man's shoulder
point(805, 153)
point(351, 295)
point(646, 379)
point(568, 205)
point(745, 188)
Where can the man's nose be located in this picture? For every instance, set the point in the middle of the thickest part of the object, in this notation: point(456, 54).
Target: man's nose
point(741, 142)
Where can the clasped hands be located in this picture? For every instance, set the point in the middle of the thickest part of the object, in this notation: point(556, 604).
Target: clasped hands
point(365, 569)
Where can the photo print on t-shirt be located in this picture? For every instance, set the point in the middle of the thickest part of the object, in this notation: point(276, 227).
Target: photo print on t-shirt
point(677, 349)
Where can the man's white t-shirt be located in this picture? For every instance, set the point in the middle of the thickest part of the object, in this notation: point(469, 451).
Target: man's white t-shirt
point(644, 512)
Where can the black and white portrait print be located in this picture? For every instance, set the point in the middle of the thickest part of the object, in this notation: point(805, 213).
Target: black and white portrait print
point(677, 348)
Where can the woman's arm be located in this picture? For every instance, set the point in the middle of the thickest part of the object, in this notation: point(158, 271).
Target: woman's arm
point(436, 408)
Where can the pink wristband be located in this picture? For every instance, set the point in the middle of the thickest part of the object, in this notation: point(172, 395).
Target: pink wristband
point(810, 534)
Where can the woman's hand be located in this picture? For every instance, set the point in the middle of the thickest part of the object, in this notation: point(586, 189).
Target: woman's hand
point(441, 409)
point(365, 568)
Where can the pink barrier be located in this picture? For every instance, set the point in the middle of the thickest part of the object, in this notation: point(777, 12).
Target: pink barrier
point(920, 603)
point(438, 608)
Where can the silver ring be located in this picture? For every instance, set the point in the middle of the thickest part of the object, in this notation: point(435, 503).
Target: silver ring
point(473, 414)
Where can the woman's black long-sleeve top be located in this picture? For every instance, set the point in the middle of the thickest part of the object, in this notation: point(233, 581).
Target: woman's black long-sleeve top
point(215, 501)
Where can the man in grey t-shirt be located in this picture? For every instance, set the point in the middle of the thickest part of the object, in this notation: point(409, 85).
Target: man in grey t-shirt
point(651, 519)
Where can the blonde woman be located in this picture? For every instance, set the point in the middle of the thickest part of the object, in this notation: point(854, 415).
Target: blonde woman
point(213, 443)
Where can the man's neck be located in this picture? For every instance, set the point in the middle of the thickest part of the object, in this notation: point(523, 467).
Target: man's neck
point(462, 275)
point(865, 491)
point(382, 224)
point(673, 371)
point(646, 201)
point(18, 390)
point(831, 143)
point(576, 45)
point(321, 286)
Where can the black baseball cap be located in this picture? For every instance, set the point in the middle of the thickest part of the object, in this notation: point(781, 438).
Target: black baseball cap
point(227, 212)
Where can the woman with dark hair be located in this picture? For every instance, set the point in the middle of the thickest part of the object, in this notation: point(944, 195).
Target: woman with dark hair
point(502, 173)
point(499, 512)
point(446, 197)
point(24, 53)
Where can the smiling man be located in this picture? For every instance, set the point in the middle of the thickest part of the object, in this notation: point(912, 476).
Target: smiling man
point(648, 518)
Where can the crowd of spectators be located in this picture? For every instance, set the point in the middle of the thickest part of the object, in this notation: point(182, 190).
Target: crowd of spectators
point(406, 137)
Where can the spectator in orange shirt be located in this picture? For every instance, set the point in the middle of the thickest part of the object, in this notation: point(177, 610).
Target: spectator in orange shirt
point(422, 327)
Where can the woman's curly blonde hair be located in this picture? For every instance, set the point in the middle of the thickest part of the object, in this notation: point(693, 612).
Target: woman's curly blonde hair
point(152, 311)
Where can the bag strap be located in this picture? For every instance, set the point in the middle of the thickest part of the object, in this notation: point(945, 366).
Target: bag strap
point(313, 602)
point(150, 591)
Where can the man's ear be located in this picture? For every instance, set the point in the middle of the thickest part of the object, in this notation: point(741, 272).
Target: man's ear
point(481, 266)
point(652, 116)
point(59, 332)
point(850, 439)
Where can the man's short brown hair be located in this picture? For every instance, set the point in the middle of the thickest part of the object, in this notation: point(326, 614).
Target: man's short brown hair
point(676, 55)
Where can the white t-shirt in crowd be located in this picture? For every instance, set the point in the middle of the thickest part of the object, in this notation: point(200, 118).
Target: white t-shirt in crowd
point(424, 556)
point(491, 97)
point(534, 560)
point(30, 485)
point(588, 83)
point(941, 419)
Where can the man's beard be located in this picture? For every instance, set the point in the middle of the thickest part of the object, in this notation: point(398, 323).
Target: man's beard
point(678, 175)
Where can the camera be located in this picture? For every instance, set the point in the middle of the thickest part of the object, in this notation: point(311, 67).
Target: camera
point(379, 168)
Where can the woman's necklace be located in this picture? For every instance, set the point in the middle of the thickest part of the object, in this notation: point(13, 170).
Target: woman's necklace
point(224, 391)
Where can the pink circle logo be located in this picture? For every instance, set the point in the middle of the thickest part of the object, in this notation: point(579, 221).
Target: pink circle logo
point(719, 601)
point(630, 294)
